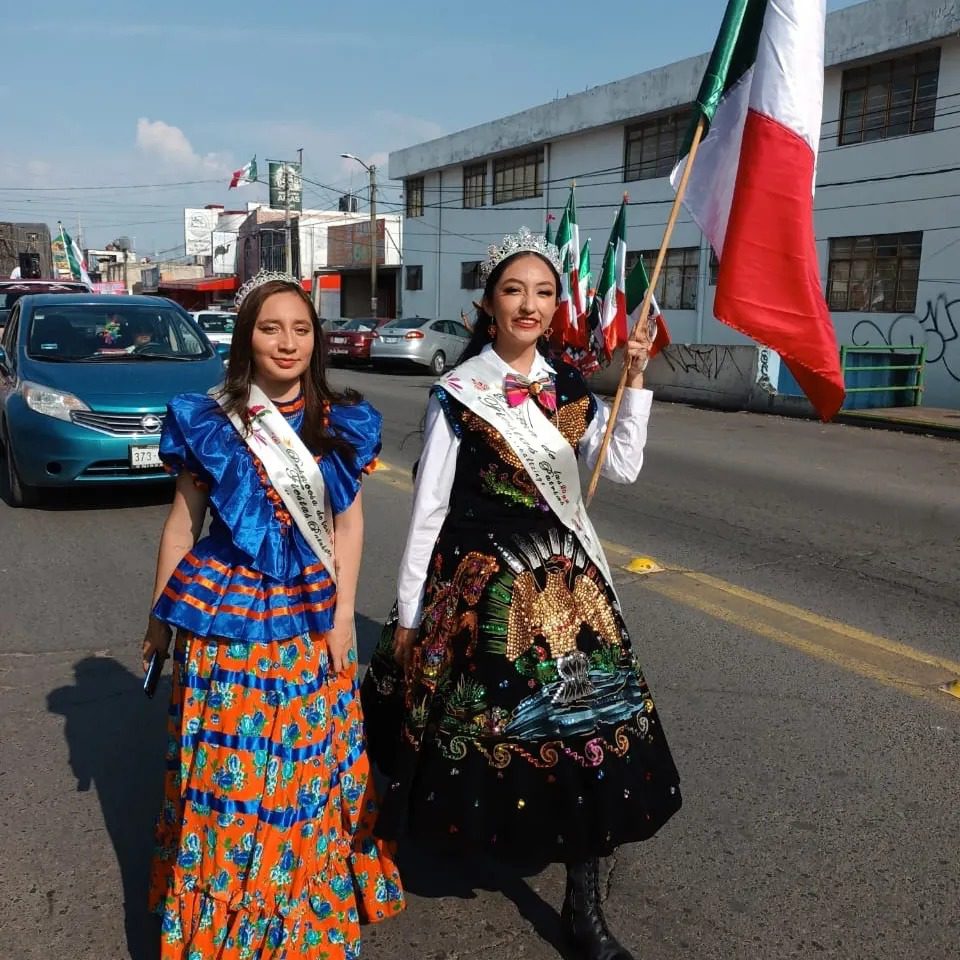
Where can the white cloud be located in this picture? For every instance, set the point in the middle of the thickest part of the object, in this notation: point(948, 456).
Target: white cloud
point(169, 145)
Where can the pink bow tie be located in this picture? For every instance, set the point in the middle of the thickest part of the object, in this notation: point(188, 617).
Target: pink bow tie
point(518, 388)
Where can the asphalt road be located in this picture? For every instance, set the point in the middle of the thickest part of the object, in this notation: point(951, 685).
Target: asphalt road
point(795, 643)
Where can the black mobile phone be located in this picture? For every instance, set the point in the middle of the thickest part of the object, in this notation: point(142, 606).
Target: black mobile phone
point(152, 677)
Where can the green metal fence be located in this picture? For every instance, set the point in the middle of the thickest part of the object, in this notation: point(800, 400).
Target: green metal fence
point(883, 376)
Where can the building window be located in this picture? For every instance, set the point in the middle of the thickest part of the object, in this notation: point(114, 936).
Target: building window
point(470, 275)
point(474, 185)
point(877, 274)
point(677, 287)
point(414, 278)
point(714, 268)
point(652, 148)
point(273, 250)
point(890, 99)
point(518, 177)
point(413, 192)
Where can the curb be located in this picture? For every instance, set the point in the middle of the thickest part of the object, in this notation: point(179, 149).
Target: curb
point(927, 428)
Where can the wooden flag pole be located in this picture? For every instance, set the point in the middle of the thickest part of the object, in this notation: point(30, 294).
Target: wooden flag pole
point(647, 300)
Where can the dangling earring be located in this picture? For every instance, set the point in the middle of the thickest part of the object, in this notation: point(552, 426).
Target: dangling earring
point(548, 333)
point(492, 330)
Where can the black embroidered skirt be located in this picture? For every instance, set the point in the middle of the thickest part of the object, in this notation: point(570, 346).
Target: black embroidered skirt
point(525, 728)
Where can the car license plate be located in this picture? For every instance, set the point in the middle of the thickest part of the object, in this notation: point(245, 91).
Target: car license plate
point(390, 339)
point(145, 458)
point(337, 350)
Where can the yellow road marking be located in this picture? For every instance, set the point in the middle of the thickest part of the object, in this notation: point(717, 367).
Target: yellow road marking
point(878, 658)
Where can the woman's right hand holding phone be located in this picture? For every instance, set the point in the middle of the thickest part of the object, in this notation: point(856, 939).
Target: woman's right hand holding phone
point(157, 638)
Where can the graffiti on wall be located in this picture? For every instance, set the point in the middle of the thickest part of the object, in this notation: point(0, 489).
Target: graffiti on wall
point(702, 359)
point(936, 329)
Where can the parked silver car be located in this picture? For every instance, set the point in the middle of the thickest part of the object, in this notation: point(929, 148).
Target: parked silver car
point(434, 344)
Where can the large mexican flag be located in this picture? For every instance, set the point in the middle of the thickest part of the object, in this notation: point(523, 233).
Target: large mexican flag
point(751, 187)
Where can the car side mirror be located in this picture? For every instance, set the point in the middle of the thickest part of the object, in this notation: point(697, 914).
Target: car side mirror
point(223, 351)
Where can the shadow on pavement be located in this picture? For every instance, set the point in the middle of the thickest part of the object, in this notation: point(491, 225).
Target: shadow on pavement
point(117, 739)
point(107, 497)
point(368, 636)
point(434, 876)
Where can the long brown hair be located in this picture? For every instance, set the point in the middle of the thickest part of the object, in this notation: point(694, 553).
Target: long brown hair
point(317, 394)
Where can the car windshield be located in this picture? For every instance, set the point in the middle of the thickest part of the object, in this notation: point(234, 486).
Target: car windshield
point(112, 331)
point(358, 324)
point(408, 323)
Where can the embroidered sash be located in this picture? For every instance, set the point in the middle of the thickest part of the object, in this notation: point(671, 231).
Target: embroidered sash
point(292, 471)
point(541, 448)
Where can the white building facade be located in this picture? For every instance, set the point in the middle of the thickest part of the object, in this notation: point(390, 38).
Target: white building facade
point(887, 203)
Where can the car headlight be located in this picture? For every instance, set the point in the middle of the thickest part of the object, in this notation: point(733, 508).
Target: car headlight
point(50, 402)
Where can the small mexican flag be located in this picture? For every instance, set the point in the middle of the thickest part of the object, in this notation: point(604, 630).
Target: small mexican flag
point(636, 289)
point(245, 175)
point(78, 266)
point(584, 277)
point(566, 319)
point(548, 230)
point(608, 313)
point(751, 187)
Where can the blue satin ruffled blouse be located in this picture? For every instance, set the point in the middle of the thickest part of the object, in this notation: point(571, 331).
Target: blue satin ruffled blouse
point(254, 577)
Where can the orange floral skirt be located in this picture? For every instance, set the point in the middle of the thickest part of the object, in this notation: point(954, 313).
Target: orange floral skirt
point(264, 844)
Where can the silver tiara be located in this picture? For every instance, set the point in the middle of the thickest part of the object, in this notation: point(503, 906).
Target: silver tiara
point(258, 280)
point(523, 241)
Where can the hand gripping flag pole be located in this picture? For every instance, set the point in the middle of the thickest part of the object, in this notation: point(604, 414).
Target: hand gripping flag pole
point(647, 300)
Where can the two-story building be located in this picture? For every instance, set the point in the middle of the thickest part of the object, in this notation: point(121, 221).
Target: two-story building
point(887, 203)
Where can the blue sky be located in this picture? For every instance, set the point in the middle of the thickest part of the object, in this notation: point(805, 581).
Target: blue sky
point(176, 92)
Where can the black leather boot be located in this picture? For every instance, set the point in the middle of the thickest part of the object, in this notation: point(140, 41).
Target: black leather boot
point(582, 915)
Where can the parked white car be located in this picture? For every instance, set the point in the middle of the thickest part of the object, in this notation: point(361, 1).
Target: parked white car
point(216, 324)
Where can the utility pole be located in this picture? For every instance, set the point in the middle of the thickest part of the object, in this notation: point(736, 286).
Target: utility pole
point(286, 216)
point(373, 239)
point(371, 168)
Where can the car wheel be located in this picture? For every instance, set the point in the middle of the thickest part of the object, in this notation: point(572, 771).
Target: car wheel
point(438, 363)
point(18, 493)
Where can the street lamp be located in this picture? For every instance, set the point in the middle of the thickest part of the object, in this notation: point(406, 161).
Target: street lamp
point(372, 170)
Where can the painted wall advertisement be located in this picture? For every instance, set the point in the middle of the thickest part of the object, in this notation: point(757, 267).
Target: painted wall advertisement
point(348, 244)
point(224, 252)
point(284, 178)
point(198, 225)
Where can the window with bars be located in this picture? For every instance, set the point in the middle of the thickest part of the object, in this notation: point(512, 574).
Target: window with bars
point(652, 147)
point(714, 268)
point(474, 185)
point(470, 275)
point(518, 177)
point(677, 287)
point(874, 274)
point(414, 278)
point(413, 193)
point(890, 99)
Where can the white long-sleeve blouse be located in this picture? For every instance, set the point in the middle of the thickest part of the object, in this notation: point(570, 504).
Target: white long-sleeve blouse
point(438, 465)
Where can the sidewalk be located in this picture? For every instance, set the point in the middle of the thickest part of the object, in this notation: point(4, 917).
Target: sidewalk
point(926, 420)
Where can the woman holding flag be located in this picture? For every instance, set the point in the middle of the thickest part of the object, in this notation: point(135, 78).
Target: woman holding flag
point(526, 730)
point(264, 845)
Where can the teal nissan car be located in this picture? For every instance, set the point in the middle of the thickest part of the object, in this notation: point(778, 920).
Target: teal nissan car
point(84, 384)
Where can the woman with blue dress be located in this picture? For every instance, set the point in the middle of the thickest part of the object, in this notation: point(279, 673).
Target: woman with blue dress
point(264, 842)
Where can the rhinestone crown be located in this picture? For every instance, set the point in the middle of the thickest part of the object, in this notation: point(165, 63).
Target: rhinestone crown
point(258, 280)
point(523, 241)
